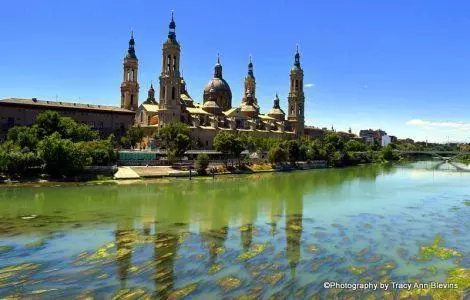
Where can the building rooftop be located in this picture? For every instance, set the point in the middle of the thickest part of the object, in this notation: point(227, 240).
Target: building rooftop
point(65, 105)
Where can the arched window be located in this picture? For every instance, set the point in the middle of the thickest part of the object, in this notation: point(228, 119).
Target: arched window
point(169, 63)
point(292, 110)
point(174, 63)
point(296, 85)
point(173, 93)
point(132, 99)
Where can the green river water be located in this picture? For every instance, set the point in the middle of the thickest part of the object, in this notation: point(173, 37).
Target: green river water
point(279, 235)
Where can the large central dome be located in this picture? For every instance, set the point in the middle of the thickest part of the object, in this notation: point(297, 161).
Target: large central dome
point(221, 89)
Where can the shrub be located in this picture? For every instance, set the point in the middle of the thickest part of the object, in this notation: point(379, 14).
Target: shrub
point(277, 155)
point(62, 156)
point(101, 152)
point(22, 163)
point(202, 162)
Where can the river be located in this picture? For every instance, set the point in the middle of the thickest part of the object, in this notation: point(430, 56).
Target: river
point(261, 235)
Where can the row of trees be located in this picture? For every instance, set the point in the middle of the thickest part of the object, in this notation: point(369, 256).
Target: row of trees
point(55, 144)
point(332, 148)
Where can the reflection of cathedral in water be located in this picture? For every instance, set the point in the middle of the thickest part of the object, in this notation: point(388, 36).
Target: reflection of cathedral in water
point(227, 215)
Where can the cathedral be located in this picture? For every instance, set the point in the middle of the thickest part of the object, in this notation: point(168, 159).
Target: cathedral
point(216, 112)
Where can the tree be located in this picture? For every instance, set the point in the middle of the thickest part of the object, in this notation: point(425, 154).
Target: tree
point(388, 154)
point(19, 163)
point(24, 137)
point(175, 137)
point(62, 156)
point(355, 146)
point(293, 151)
point(339, 159)
point(100, 152)
point(202, 162)
point(135, 134)
point(47, 123)
point(70, 129)
point(277, 155)
point(237, 148)
point(223, 142)
point(248, 142)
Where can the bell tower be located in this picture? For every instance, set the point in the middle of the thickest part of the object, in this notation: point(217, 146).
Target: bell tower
point(296, 97)
point(170, 79)
point(250, 82)
point(129, 85)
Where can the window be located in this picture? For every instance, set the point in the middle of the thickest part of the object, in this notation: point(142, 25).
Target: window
point(141, 116)
point(296, 85)
point(168, 63)
point(173, 93)
point(174, 63)
point(132, 99)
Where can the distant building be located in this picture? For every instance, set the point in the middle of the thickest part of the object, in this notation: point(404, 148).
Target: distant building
point(370, 136)
point(314, 132)
point(346, 135)
point(104, 119)
point(386, 139)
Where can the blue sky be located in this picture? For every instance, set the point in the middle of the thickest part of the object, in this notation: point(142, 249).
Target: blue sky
point(403, 66)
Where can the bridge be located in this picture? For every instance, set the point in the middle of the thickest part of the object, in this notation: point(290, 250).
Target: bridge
point(446, 156)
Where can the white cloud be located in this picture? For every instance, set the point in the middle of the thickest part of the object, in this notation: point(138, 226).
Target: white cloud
point(440, 124)
point(309, 85)
point(365, 86)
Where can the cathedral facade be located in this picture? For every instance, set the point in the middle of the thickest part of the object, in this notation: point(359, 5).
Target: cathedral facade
point(217, 112)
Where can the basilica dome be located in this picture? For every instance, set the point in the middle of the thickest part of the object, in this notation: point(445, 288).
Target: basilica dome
point(221, 89)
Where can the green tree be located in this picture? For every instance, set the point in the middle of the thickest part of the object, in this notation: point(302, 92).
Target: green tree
point(101, 152)
point(175, 138)
point(355, 146)
point(135, 134)
point(293, 151)
point(62, 156)
point(277, 155)
point(248, 142)
point(388, 154)
point(237, 147)
point(47, 123)
point(202, 162)
point(339, 159)
point(223, 142)
point(70, 129)
point(24, 137)
point(21, 163)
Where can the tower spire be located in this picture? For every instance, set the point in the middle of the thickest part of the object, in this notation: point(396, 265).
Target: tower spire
point(218, 68)
point(276, 102)
point(297, 57)
point(172, 26)
point(131, 50)
point(250, 67)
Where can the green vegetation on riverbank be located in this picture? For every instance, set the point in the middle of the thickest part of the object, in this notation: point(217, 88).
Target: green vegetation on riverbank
point(61, 148)
point(56, 145)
